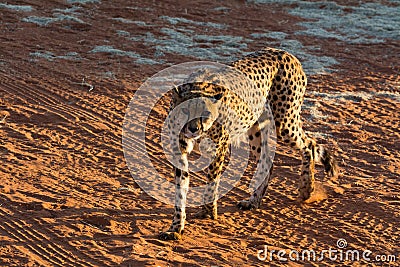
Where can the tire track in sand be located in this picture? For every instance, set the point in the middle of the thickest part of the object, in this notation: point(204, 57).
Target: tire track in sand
point(39, 239)
point(40, 245)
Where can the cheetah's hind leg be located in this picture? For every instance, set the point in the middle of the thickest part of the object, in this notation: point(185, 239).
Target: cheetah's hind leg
point(322, 155)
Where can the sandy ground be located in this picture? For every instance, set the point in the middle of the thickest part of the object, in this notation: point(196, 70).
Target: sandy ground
point(68, 70)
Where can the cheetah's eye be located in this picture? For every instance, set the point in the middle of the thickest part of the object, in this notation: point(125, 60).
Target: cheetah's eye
point(185, 111)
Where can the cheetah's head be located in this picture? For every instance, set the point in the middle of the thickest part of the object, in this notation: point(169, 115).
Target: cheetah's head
point(199, 110)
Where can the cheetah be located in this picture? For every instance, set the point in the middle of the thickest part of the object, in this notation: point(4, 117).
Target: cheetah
point(222, 114)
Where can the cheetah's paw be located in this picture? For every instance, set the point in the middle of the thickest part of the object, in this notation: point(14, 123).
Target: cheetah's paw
point(247, 205)
point(170, 235)
point(206, 214)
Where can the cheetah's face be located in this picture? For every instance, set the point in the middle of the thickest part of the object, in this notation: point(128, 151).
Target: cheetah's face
point(200, 113)
point(197, 112)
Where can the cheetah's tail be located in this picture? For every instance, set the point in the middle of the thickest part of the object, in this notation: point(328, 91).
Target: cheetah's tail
point(326, 158)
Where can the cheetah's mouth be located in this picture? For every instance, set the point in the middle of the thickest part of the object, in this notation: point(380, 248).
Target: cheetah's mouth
point(191, 135)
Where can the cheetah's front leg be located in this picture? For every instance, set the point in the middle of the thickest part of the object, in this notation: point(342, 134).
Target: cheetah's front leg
point(181, 189)
point(209, 208)
point(210, 197)
point(259, 136)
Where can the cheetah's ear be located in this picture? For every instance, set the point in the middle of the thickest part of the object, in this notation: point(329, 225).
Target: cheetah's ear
point(218, 96)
